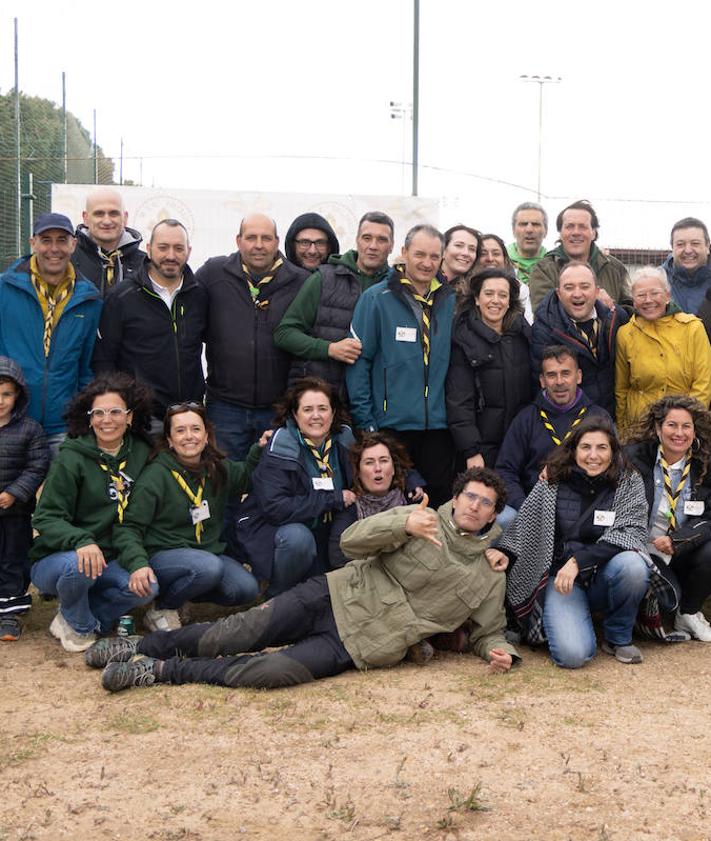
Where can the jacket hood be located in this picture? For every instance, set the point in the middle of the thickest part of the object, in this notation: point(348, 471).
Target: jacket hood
point(85, 445)
point(309, 220)
point(130, 240)
point(10, 368)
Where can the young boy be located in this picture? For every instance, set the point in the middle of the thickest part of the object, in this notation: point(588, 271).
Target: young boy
point(24, 460)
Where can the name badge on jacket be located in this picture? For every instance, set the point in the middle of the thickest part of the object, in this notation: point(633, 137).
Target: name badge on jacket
point(694, 507)
point(604, 518)
point(324, 483)
point(201, 512)
point(405, 334)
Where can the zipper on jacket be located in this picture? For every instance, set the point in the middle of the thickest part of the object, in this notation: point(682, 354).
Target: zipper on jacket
point(385, 391)
point(172, 315)
point(256, 357)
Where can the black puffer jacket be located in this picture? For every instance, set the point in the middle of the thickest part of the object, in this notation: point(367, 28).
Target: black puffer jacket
point(244, 366)
point(24, 457)
point(310, 220)
point(696, 530)
point(489, 381)
point(139, 335)
point(88, 261)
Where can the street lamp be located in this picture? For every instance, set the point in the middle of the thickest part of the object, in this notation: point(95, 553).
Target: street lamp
point(540, 81)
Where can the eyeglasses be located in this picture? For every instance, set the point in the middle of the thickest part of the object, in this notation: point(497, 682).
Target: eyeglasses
point(318, 244)
point(115, 413)
point(654, 295)
point(484, 501)
point(191, 404)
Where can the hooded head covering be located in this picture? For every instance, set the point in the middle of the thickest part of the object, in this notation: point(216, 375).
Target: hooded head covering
point(9, 368)
point(310, 220)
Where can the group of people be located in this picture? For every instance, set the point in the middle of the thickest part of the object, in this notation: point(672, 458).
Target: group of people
point(342, 396)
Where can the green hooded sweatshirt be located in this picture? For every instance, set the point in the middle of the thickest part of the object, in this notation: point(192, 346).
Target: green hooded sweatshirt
point(75, 508)
point(158, 516)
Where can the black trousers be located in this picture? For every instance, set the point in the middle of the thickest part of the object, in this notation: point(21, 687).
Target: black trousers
point(694, 573)
point(432, 453)
point(216, 652)
point(15, 542)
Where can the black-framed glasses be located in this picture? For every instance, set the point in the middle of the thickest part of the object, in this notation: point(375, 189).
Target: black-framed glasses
point(114, 413)
point(318, 244)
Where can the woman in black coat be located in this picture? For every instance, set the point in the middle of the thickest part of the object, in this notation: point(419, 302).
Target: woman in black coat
point(489, 378)
point(671, 448)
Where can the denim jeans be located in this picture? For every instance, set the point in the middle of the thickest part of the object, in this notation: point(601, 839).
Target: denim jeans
point(617, 590)
point(195, 575)
point(87, 603)
point(294, 556)
point(236, 427)
point(54, 442)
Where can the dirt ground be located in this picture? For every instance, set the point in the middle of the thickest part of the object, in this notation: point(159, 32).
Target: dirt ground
point(445, 751)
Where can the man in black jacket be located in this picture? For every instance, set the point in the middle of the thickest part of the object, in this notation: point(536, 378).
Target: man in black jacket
point(153, 325)
point(248, 293)
point(107, 251)
point(572, 315)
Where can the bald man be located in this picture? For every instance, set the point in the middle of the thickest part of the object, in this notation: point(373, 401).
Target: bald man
point(107, 251)
point(248, 293)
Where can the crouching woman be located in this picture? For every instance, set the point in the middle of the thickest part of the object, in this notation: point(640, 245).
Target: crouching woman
point(578, 542)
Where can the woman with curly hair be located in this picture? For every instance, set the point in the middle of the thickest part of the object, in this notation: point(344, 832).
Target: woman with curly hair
point(671, 448)
point(579, 543)
point(85, 495)
point(171, 534)
point(489, 378)
point(302, 480)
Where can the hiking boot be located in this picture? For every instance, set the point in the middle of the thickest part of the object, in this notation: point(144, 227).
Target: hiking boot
point(420, 653)
point(161, 620)
point(10, 629)
point(694, 623)
point(71, 640)
point(138, 672)
point(624, 653)
point(111, 650)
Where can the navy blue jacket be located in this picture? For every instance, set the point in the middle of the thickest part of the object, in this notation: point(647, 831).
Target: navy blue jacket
point(553, 326)
point(528, 443)
point(51, 381)
point(24, 457)
point(688, 291)
point(283, 493)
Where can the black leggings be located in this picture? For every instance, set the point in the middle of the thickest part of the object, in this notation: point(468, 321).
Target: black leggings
point(301, 618)
point(693, 570)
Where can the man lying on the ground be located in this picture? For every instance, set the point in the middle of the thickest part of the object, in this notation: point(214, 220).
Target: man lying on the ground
point(419, 573)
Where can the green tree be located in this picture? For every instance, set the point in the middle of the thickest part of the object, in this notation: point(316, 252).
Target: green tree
point(41, 153)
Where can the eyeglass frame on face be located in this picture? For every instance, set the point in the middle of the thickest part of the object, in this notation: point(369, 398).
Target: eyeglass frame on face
point(484, 501)
point(114, 413)
point(318, 244)
point(650, 295)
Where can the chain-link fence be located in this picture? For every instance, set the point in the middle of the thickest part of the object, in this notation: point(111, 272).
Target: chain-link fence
point(45, 158)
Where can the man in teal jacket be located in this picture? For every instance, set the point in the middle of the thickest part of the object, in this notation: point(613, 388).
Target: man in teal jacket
point(404, 324)
point(48, 322)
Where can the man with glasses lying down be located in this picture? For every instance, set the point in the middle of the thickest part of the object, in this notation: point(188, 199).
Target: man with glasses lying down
point(414, 573)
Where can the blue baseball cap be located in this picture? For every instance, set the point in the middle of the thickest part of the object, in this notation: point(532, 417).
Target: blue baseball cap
point(52, 221)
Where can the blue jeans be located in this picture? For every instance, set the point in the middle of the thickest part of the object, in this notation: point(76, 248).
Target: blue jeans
point(616, 591)
point(236, 427)
point(54, 442)
point(294, 556)
point(87, 603)
point(195, 575)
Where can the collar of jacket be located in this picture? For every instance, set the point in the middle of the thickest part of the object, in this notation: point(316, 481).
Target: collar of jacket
point(678, 274)
point(349, 260)
point(462, 541)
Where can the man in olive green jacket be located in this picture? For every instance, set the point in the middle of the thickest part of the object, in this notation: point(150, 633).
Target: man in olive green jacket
point(419, 573)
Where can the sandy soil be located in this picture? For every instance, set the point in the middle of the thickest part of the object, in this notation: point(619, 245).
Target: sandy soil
point(444, 751)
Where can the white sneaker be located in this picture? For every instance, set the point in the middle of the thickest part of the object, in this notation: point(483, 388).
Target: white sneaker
point(161, 620)
point(71, 640)
point(695, 623)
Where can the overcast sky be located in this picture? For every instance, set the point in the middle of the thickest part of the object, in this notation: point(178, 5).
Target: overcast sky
point(278, 96)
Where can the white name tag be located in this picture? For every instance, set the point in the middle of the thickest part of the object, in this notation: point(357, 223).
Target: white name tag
point(694, 507)
point(604, 518)
point(405, 334)
point(201, 512)
point(324, 483)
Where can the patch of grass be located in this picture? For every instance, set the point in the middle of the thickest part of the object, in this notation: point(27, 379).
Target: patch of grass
point(23, 748)
point(133, 721)
point(471, 803)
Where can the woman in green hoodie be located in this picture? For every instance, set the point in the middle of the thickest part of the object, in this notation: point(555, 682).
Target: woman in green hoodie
point(172, 529)
point(85, 494)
